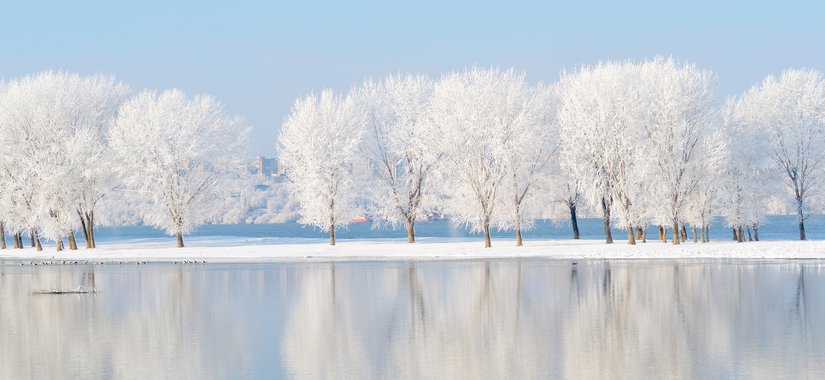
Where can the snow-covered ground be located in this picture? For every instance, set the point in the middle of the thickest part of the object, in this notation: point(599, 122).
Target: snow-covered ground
point(234, 249)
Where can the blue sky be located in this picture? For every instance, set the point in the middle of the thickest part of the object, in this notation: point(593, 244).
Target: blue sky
point(257, 57)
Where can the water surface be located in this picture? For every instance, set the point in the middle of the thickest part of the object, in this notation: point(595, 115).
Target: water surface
point(472, 319)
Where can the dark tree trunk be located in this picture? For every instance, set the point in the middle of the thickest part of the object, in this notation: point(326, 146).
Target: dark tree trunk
point(519, 243)
point(85, 231)
point(31, 235)
point(574, 222)
point(707, 233)
point(662, 234)
point(332, 235)
point(735, 235)
point(756, 232)
point(3, 235)
point(72, 241)
point(631, 235)
point(683, 233)
point(18, 243)
point(695, 234)
point(36, 237)
point(608, 235)
point(179, 236)
point(410, 231)
point(90, 224)
point(750, 237)
point(58, 245)
point(740, 235)
point(487, 243)
point(676, 239)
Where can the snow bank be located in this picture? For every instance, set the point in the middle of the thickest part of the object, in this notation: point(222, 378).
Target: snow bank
point(233, 249)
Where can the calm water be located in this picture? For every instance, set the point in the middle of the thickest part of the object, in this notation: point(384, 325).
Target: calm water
point(501, 319)
point(776, 227)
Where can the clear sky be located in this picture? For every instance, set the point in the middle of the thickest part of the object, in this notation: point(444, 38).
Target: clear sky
point(257, 57)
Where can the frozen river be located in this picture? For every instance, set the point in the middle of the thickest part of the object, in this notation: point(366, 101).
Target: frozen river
point(468, 319)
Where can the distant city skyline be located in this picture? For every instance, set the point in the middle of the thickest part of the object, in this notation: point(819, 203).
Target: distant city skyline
point(258, 57)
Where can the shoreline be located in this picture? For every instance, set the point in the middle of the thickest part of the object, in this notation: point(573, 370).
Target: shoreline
point(242, 250)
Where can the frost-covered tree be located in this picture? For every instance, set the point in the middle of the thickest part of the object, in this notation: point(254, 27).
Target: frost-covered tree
point(54, 150)
point(527, 157)
point(87, 147)
point(400, 143)
point(600, 119)
point(171, 149)
point(318, 144)
point(33, 112)
point(479, 112)
point(747, 175)
point(679, 142)
point(565, 199)
point(789, 113)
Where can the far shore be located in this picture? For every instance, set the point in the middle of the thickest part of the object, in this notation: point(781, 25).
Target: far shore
point(252, 250)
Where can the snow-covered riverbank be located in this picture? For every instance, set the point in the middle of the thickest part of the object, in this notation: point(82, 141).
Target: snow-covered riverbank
point(265, 250)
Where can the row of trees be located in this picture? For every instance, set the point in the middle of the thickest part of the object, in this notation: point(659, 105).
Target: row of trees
point(646, 143)
point(67, 141)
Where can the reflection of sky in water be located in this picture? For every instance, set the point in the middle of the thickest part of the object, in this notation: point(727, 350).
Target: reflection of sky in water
point(508, 319)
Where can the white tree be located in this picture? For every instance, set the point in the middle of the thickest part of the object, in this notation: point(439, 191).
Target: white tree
point(747, 177)
point(679, 143)
point(565, 198)
point(479, 112)
point(32, 109)
point(172, 149)
point(527, 157)
point(789, 112)
point(400, 144)
point(88, 149)
point(318, 144)
point(600, 124)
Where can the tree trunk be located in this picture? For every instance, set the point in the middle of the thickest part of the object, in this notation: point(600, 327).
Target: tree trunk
point(487, 243)
point(72, 241)
point(410, 231)
point(17, 242)
point(31, 235)
point(735, 235)
point(707, 233)
point(801, 219)
point(90, 224)
point(85, 231)
point(180, 239)
point(332, 235)
point(755, 231)
point(740, 235)
point(36, 237)
point(644, 234)
point(3, 235)
point(574, 222)
point(640, 232)
point(608, 236)
point(631, 235)
point(695, 234)
point(683, 233)
point(519, 243)
point(58, 245)
point(676, 239)
point(662, 235)
point(750, 237)
point(702, 231)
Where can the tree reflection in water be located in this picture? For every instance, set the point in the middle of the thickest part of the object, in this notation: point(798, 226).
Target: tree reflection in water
point(412, 320)
point(533, 319)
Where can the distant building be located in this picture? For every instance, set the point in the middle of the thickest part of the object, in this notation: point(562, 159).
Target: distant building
point(266, 167)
